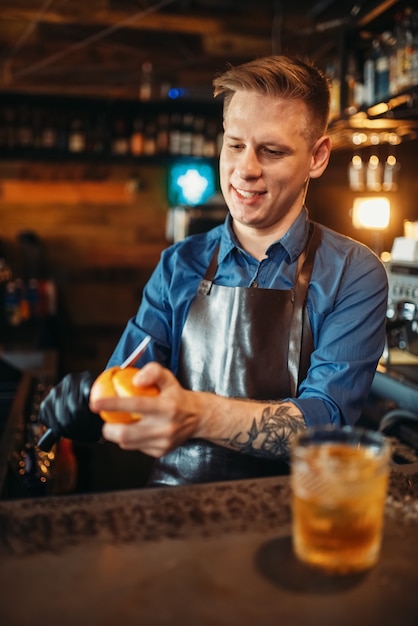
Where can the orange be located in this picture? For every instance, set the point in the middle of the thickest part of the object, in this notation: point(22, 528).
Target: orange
point(116, 382)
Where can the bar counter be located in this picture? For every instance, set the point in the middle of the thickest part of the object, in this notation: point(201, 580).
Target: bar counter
point(216, 554)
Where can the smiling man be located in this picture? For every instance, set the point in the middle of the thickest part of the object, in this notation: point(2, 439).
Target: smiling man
point(264, 325)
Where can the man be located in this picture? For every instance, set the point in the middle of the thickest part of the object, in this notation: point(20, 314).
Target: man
point(260, 327)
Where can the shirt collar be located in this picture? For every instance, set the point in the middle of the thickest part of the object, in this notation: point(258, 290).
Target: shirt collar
point(293, 241)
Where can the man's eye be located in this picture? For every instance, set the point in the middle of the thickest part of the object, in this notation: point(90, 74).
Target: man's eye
point(272, 152)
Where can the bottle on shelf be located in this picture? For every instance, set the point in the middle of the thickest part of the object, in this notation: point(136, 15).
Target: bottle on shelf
point(369, 75)
point(404, 39)
point(382, 70)
point(150, 137)
point(186, 134)
point(354, 83)
point(390, 173)
point(374, 173)
point(112, 130)
point(24, 132)
point(198, 137)
point(146, 83)
point(99, 140)
point(210, 143)
point(48, 132)
point(120, 144)
point(175, 133)
point(11, 304)
point(163, 137)
point(137, 137)
point(77, 136)
point(357, 173)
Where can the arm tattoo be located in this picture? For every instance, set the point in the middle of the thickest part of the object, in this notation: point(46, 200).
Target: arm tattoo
point(271, 435)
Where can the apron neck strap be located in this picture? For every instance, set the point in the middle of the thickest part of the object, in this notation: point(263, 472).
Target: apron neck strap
point(206, 282)
point(297, 340)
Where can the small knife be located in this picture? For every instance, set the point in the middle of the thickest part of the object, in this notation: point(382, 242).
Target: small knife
point(139, 351)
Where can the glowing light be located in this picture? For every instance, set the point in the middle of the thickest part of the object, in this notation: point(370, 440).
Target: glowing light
point(176, 92)
point(372, 213)
point(191, 184)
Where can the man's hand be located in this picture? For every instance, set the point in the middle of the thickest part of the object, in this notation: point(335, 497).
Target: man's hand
point(168, 419)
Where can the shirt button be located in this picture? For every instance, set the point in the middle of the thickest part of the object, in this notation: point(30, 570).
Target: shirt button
point(254, 284)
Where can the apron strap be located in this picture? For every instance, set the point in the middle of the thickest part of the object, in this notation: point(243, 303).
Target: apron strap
point(206, 282)
point(297, 349)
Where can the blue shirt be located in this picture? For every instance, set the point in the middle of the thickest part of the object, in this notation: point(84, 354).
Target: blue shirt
point(347, 300)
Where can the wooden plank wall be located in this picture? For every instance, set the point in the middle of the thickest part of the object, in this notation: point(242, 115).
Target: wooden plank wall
point(102, 229)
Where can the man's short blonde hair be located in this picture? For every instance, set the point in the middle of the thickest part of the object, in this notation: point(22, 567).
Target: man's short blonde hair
point(285, 77)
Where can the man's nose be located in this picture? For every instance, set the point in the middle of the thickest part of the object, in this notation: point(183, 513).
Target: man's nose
point(248, 165)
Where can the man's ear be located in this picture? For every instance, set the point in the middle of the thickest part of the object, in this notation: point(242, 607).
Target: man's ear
point(321, 153)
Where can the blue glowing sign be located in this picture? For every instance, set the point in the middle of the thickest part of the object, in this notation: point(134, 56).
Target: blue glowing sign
point(191, 183)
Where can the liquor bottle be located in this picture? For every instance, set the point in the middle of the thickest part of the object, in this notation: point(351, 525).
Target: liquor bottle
point(382, 76)
point(354, 86)
point(163, 133)
point(357, 173)
point(369, 75)
point(374, 173)
point(23, 299)
point(198, 138)
point(77, 136)
point(11, 304)
point(145, 86)
point(150, 138)
point(186, 134)
point(48, 133)
point(174, 135)
point(24, 133)
point(120, 139)
point(390, 174)
point(403, 34)
point(137, 137)
point(210, 146)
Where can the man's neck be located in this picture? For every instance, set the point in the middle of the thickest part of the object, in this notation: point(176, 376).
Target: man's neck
point(256, 241)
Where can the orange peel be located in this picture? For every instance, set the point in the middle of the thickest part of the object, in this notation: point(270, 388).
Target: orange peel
point(116, 382)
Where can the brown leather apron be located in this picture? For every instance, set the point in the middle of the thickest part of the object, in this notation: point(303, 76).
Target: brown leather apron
point(244, 343)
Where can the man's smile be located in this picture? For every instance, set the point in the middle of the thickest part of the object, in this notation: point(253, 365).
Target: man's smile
point(248, 194)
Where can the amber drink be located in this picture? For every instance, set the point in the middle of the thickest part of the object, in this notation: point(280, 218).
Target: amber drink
point(339, 482)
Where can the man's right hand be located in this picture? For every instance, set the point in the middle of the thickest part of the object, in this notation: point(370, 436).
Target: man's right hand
point(65, 409)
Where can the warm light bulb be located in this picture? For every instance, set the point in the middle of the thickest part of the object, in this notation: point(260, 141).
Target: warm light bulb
point(371, 213)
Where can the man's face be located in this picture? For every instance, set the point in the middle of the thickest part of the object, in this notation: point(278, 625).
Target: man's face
point(266, 160)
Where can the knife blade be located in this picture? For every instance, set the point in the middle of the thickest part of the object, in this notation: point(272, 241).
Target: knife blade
point(135, 354)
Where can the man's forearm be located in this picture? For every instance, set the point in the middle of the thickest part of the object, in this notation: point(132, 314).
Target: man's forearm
point(262, 429)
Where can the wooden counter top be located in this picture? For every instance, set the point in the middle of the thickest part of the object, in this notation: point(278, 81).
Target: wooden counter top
point(217, 554)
